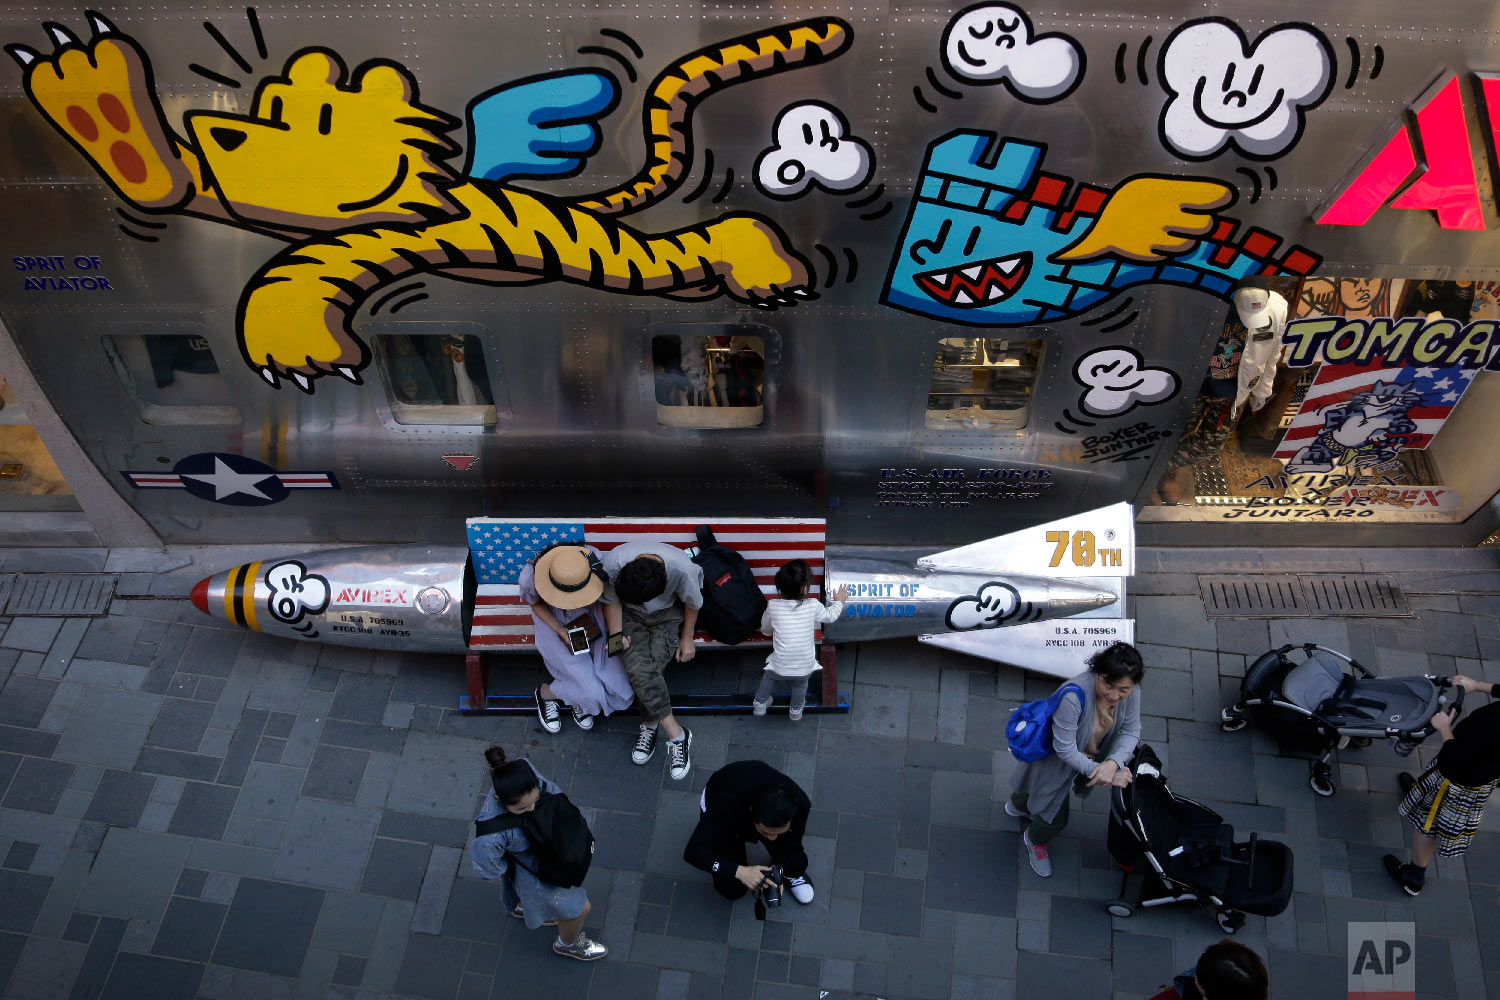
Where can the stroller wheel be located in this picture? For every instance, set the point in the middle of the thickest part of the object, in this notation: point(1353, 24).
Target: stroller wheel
point(1230, 920)
point(1119, 908)
point(1359, 742)
point(1231, 721)
point(1321, 785)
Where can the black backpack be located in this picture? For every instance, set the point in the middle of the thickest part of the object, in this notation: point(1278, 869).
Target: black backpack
point(560, 839)
point(732, 601)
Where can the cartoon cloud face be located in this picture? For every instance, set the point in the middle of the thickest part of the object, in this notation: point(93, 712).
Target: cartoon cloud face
point(812, 147)
point(295, 592)
point(994, 43)
point(994, 603)
point(1116, 380)
point(1226, 91)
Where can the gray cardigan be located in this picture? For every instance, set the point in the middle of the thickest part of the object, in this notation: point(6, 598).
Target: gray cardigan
point(1046, 782)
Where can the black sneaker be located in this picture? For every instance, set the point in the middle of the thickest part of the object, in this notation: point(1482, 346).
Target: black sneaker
point(547, 712)
point(1407, 783)
point(645, 745)
point(584, 720)
point(1403, 875)
point(679, 756)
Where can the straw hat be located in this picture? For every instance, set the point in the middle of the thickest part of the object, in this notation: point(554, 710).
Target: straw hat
point(569, 577)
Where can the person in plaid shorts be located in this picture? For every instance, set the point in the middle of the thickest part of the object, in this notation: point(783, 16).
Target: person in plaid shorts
point(1445, 803)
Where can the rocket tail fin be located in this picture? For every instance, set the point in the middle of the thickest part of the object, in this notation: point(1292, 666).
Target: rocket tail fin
point(1096, 543)
point(1096, 547)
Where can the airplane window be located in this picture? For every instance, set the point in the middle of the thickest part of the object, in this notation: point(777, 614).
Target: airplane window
point(435, 378)
point(172, 377)
point(982, 383)
point(710, 376)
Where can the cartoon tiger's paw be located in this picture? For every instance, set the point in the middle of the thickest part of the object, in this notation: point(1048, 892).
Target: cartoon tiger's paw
point(756, 266)
point(98, 94)
point(286, 333)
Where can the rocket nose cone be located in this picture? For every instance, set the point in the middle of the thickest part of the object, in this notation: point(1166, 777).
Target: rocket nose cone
point(1071, 598)
point(199, 596)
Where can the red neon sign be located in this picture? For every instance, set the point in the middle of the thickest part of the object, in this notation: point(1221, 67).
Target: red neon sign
point(1447, 186)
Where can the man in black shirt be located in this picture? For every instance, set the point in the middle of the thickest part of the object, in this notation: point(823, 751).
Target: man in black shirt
point(746, 801)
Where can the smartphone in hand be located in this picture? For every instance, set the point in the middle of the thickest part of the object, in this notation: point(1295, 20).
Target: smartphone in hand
point(578, 640)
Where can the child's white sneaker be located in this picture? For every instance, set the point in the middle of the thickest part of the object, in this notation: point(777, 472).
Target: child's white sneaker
point(759, 707)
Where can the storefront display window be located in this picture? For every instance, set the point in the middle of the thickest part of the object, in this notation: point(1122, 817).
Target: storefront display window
point(982, 383)
point(29, 478)
point(1370, 402)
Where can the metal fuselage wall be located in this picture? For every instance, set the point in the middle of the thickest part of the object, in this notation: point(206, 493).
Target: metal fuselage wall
point(568, 352)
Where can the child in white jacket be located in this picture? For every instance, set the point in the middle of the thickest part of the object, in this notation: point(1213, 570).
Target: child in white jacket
point(791, 623)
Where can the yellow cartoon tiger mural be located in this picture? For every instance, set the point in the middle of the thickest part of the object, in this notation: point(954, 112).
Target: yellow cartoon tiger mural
point(352, 169)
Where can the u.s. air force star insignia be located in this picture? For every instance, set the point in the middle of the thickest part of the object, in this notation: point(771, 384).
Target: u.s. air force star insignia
point(232, 479)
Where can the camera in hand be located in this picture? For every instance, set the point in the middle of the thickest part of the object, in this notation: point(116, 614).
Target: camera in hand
point(770, 889)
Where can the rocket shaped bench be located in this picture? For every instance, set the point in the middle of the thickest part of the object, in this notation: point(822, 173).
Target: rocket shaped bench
point(1042, 598)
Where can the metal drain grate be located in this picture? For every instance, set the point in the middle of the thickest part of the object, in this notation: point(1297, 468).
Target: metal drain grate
point(1253, 596)
point(1364, 596)
point(1314, 596)
point(63, 594)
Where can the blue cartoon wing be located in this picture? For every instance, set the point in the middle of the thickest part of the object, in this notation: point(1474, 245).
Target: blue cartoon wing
point(543, 126)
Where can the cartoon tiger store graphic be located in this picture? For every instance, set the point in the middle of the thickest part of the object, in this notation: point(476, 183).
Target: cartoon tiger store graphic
point(990, 239)
point(389, 204)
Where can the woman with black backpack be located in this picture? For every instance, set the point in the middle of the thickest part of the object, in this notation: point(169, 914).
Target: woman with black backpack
point(503, 852)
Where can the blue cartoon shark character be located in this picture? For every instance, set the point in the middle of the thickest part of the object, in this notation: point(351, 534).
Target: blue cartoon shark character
point(992, 240)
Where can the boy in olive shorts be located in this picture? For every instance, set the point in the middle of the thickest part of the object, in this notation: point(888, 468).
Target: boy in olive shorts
point(651, 610)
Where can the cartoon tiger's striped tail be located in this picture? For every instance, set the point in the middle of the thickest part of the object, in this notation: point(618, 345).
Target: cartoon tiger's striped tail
point(678, 89)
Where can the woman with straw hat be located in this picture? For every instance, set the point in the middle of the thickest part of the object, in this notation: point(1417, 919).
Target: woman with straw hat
point(563, 585)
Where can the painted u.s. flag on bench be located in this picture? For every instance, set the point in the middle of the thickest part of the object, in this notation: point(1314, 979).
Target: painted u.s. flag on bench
point(501, 548)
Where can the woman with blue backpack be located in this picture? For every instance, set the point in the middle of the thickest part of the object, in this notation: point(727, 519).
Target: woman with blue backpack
point(1094, 726)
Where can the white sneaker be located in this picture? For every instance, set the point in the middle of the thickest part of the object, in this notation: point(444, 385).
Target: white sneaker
point(1015, 813)
point(1037, 855)
point(645, 745)
point(678, 754)
point(801, 889)
point(759, 707)
point(795, 714)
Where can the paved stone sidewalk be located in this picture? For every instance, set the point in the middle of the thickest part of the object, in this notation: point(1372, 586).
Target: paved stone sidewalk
point(188, 810)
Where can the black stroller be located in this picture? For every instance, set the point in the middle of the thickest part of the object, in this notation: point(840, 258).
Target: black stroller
point(1186, 853)
point(1304, 696)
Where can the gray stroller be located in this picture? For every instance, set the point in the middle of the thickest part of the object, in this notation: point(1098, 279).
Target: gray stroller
point(1316, 700)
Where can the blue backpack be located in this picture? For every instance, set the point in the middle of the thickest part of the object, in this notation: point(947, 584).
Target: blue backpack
point(1029, 731)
